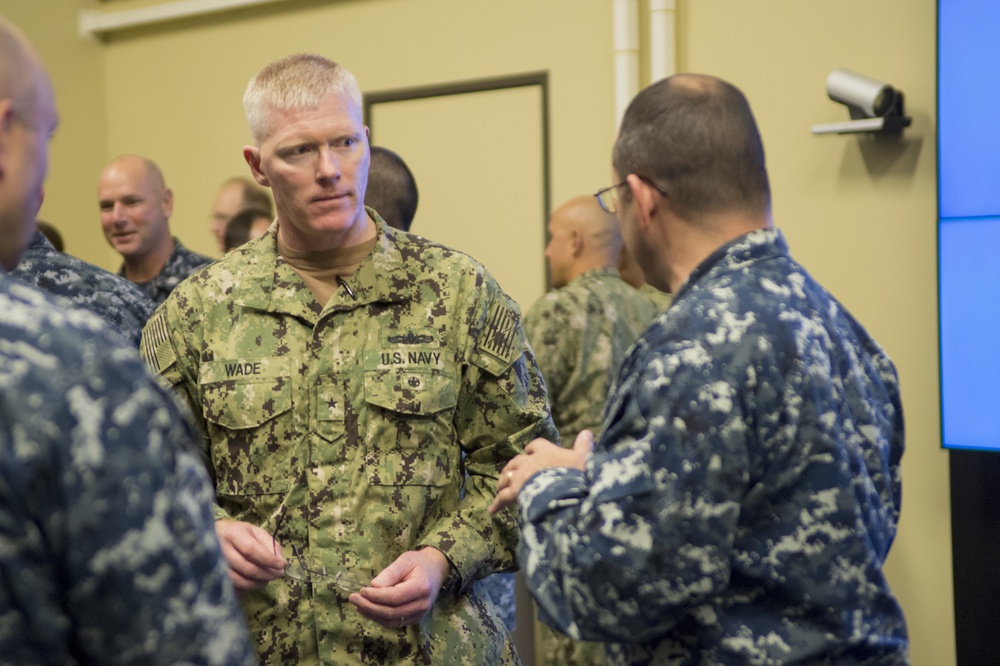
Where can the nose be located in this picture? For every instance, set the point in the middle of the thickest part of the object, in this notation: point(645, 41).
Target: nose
point(328, 167)
point(117, 213)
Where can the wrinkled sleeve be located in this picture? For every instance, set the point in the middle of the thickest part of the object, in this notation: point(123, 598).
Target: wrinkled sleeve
point(502, 406)
point(621, 551)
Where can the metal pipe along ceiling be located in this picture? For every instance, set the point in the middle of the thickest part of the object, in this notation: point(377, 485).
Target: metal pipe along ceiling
point(662, 47)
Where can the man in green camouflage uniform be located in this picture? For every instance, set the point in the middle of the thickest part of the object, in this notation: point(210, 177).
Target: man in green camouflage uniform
point(581, 331)
point(340, 369)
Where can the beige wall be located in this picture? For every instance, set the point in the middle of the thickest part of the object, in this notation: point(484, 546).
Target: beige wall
point(859, 211)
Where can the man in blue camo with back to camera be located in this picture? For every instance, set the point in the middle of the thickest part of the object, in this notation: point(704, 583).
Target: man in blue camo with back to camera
point(107, 552)
point(740, 500)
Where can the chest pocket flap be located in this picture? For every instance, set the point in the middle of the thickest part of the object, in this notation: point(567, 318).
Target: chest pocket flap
point(410, 391)
point(245, 393)
point(410, 435)
point(247, 405)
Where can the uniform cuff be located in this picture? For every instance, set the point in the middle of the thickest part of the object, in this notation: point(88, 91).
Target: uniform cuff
point(550, 490)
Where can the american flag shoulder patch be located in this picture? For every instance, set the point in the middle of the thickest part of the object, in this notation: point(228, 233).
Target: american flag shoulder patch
point(500, 332)
point(155, 346)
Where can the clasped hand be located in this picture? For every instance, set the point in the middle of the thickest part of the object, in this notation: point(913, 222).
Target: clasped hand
point(538, 455)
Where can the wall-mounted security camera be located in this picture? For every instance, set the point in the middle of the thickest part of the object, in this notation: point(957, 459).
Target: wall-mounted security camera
point(875, 106)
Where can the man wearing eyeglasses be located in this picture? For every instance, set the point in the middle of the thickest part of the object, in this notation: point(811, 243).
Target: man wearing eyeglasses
point(741, 497)
point(107, 548)
point(340, 369)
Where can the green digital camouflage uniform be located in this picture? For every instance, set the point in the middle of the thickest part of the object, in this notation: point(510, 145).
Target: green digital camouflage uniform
point(581, 333)
point(661, 299)
point(345, 426)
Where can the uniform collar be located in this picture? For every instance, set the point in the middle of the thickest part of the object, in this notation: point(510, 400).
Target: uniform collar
point(736, 254)
point(269, 284)
point(597, 273)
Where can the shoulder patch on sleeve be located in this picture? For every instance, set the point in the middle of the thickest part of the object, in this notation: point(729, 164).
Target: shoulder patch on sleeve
point(499, 336)
point(155, 346)
point(501, 340)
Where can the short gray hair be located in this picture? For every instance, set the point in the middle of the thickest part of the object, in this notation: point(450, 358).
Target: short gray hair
point(297, 81)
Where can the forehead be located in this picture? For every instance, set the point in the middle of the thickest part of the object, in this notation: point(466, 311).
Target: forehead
point(334, 114)
point(126, 176)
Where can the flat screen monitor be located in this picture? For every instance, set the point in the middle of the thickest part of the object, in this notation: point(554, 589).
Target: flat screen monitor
point(969, 222)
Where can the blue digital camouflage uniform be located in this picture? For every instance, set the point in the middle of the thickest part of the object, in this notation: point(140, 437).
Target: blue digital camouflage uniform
point(745, 490)
point(121, 304)
point(344, 426)
point(108, 553)
point(500, 587)
point(179, 266)
point(581, 333)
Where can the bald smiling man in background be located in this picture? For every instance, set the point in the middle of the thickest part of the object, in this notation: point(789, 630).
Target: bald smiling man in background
point(136, 205)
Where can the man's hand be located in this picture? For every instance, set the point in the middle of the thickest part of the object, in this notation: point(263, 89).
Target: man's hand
point(538, 455)
point(405, 590)
point(254, 561)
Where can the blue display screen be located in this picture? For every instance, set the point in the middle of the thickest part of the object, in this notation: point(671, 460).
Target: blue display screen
point(969, 222)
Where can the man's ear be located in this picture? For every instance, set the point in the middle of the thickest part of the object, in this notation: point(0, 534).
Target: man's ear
point(252, 155)
point(6, 125)
point(576, 242)
point(644, 198)
point(168, 203)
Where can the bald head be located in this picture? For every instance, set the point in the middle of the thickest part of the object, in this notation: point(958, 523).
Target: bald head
point(140, 168)
point(27, 120)
point(237, 195)
point(18, 65)
point(583, 236)
point(135, 206)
